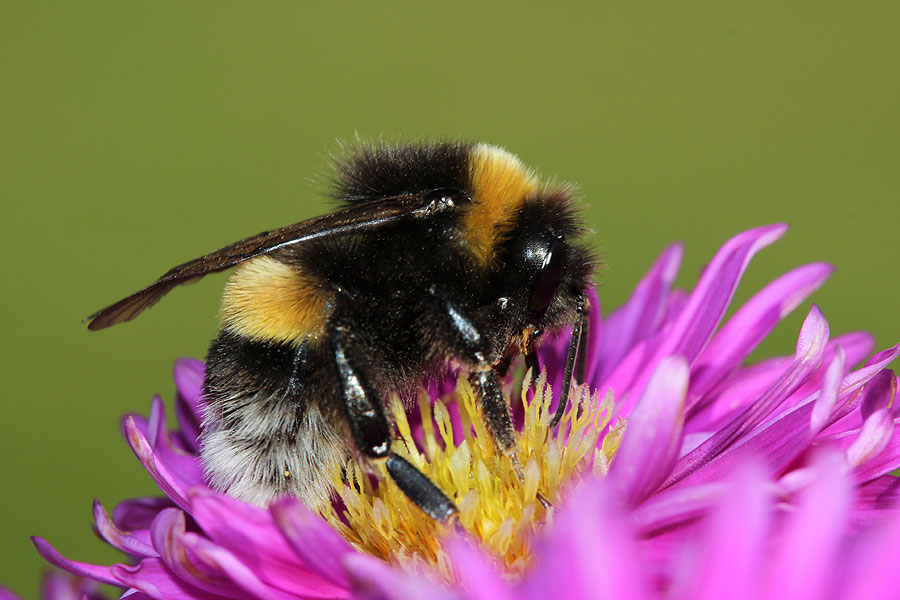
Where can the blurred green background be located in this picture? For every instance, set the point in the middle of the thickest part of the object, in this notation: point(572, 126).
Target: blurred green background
point(135, 136)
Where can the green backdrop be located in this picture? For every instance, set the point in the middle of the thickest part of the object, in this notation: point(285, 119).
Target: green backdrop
point(136, 135)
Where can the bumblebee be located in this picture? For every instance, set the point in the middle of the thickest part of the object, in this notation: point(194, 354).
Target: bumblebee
point(443, 256)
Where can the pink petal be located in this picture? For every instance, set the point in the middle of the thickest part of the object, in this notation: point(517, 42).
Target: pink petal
point(313, 540)
point(250, 535)
point(244, 576)
point(8, 594)
point(751, 324)
point(747, 383)
point(706, 305)
point(803, 561)
point(875, 497)
point(590, 552)
point(828, 396)
point(873, 438)
point(52, 556)
point(375, 580)
point(173, 486)
point(168, 539)
point(873, 563)
point(674, 506)
point(178, 460)
point(732, 546)
point(153, 578)
point(641, 315)
point(734, 394)
point(138, 513)
point(653, 434)
point(810, 348)
point(873, 366)
point(189, 374)
point(880, 393)
point(137, 544)
point(477, 573)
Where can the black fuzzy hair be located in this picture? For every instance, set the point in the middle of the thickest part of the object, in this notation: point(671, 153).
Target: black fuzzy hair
point(371, 171)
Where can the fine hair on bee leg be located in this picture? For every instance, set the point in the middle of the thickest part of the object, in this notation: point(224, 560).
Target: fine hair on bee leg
point(581, 309)
point(372, 434)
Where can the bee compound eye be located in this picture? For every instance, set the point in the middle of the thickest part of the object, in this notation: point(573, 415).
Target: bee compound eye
point(548, 275)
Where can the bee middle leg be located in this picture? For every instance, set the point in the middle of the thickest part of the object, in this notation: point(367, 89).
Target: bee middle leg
point(372, 433)
point(495, 409)
point(472, 346)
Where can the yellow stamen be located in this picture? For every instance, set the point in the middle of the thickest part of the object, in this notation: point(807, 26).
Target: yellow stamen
point(500, 510)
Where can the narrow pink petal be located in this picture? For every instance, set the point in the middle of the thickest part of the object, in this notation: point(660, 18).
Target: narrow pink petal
point(138, 513)
point(734, 394)
point(55, 586)
point(783, 438)
point(173, 487)
point(733, 541)
point(153, 578)
point(747, 383)
point(872, 565)
point(691, 331)
point(252, 536)
point(168, 533)
point(810, 348)
point(857, 345)
point(887, 460)
point(827, 398)
point(375, 580)
point(873, 438)
point(8, 594)
point(590, 552)
point(313, 540)
point(137, 544)
point(653, 434)
point(874, 365)
point(622, 379)
point(880, 393)
point(189, 374)
point(675, 506)
point(244, 576)
point(95, 572)
point(710, 298)
point(641, 315)
point(178, 461)
point(751, 324)
point(803, 564)
point(477, 573)
point(876, 497)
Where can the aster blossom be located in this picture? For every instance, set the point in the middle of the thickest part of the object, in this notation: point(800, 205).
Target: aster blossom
point(731, 480)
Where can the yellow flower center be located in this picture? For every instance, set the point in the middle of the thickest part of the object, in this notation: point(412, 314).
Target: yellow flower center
point(497, 507)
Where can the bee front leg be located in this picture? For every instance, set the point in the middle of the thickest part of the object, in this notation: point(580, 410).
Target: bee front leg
point(576, 342)
point(372, 433)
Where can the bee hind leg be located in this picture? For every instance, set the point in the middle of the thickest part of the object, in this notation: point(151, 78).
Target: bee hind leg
point(372, 434)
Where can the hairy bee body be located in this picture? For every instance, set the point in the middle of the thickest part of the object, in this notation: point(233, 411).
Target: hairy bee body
point(479, 258)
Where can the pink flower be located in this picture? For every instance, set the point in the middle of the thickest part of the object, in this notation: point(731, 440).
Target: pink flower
point(760, 481)
point(60, 586)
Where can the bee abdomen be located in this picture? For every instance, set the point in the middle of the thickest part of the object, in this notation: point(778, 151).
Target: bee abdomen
point(262, 436)
point(258, 466)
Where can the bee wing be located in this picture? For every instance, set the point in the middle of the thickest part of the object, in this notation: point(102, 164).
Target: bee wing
point(354, 219)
